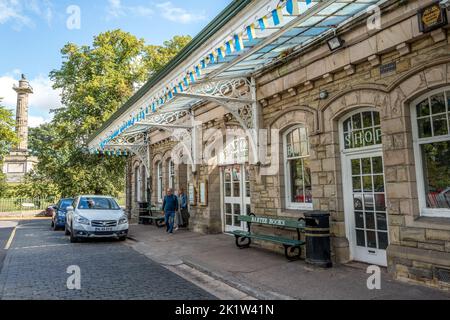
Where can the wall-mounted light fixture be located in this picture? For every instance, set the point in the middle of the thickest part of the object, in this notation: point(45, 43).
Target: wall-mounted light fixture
point(335, 43)
point(323, 94)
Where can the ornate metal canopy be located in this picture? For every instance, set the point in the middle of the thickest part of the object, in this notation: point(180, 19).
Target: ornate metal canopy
point(227, 82)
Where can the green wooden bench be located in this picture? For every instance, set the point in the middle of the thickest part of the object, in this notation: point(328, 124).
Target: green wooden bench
point(292, 247)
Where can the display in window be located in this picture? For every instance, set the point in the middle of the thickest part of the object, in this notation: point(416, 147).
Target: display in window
point(436, 167)
point(301, 181)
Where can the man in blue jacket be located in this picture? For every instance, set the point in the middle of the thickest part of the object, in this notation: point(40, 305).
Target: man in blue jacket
point(170, 206)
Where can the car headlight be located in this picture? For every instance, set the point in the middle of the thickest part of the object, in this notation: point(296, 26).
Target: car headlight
point(123, 220)
point(82, 220)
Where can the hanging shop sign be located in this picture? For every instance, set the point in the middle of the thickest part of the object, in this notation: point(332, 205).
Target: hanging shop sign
point(432, 17)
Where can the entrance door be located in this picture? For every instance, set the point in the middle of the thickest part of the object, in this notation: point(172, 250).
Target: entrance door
point(364, 187)
point(366, 208)
point(236, 196)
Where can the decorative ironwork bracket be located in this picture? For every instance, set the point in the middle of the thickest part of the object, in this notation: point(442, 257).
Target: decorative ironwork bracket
point(235, 95)
point(137, 144)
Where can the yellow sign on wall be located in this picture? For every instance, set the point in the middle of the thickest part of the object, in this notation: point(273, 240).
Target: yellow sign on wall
point(432, 17)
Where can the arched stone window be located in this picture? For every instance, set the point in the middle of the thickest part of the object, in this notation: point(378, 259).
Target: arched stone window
point(297, 171)
point(431, 135)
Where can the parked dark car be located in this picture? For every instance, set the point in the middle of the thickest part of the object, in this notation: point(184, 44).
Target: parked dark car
point(59, 213)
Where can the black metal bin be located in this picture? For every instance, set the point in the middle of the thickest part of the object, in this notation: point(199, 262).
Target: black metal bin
point(317, 233)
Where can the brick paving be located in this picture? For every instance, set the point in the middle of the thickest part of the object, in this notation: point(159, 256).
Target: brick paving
point(35, 268)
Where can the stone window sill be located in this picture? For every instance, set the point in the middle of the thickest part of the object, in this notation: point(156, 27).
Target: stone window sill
point(429, 223)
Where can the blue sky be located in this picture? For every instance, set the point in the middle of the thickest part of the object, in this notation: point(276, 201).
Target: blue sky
point(32, 32)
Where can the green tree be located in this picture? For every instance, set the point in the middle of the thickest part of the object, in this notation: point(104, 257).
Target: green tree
point(8, 139)
point(95, 81)
point(159, 56)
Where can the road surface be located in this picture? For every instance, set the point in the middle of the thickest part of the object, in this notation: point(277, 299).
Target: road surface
point(36, 262)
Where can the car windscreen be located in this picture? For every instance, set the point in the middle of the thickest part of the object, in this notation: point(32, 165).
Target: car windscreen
point(98, 204)
point(65, 203)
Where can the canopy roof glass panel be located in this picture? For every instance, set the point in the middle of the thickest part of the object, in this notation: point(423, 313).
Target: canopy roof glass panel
point(315, 20)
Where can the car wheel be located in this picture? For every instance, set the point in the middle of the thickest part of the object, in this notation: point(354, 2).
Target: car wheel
point(66, 229)
point(73, 239)
point(122, 238)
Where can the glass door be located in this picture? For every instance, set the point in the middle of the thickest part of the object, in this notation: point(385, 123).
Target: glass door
point(366, 203)
point(236, 196)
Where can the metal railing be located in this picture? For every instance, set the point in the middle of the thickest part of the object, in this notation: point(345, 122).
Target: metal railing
point(12, 206)
point(21, 205)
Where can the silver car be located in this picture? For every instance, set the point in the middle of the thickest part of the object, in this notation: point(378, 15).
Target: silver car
point(96, 217)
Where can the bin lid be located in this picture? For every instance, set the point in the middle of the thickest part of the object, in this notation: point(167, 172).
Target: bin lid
point(316, 214)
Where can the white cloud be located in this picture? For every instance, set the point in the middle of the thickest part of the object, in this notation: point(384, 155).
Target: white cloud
point(17, 12)
point(11, 11)
point(41, 101)
point(34, 122)
point(175, 14)
point(116, 9)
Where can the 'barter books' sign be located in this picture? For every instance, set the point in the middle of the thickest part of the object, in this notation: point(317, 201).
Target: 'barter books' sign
point(432, 17)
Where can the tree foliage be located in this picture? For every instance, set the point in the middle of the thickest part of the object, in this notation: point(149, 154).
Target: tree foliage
point(95, 81)
point(8, 139)
point(159, 56)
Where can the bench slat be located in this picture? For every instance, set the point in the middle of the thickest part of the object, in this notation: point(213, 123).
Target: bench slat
point(152, 218)
point(273, 221)
point(269, 238)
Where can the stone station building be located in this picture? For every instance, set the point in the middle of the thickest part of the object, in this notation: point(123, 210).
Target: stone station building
point(362, 132)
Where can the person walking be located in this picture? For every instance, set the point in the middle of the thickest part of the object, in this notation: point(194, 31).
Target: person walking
point(184, 208)
point(170, 206)
point(178, 217)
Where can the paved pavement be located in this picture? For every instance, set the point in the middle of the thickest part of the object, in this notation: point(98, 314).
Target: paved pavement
point(267, 275)
point(36, 263)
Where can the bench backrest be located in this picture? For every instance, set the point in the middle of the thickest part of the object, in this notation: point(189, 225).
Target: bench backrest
point(273, 221)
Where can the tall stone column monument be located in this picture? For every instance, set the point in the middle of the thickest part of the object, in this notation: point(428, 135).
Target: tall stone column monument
point(19, 161)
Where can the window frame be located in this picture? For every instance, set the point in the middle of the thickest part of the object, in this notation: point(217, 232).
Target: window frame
point(143, 184)
point(171, 171)
point(417, 142)
point(137, 183)
point(159, 181)
point(287, 171)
